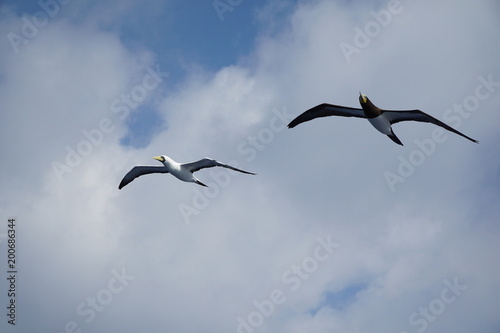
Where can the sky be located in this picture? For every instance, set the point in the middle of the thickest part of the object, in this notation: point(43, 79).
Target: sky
point(341, 230)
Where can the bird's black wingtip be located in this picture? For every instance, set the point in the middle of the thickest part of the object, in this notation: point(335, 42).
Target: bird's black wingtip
point(469, 138)
point(292, 124)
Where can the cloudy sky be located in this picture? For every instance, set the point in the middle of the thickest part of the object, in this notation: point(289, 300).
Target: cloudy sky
point(341, 230)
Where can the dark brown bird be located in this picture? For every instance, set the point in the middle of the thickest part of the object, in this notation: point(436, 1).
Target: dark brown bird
point(381, 119)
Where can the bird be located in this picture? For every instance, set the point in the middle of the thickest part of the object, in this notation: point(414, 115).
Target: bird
point(182, 171)
point(381, 119)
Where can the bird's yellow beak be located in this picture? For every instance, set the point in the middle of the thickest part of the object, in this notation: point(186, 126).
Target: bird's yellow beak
point(363, 97)
point(158, 158)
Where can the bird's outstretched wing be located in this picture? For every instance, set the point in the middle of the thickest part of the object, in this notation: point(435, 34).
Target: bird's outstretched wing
point(325, 110)
point(209, 163)
point(417, 115)
point(140, 170)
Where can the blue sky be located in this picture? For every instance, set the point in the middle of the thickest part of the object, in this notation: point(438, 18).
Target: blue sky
point(341, 230)
point(208, 35)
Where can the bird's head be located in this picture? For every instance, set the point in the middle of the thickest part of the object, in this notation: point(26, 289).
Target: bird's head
point(362, 98)
point(161, 158)
point(165, 160)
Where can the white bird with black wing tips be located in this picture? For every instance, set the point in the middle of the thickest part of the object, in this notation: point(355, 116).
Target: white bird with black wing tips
point(182, 171)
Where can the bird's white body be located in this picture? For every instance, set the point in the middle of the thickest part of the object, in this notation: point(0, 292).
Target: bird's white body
point(381, 123)
point(177, 170)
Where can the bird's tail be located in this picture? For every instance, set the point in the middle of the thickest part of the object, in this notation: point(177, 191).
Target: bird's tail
point(394, 138)
point(199, 183)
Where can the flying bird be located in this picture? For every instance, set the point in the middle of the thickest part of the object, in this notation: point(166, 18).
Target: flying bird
point(381, 119)
point(183, 171)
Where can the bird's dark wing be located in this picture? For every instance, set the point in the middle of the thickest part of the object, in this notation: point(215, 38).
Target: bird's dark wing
point(417, 115)
point(209, 163)
point(325, 110)
point(140, 170)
